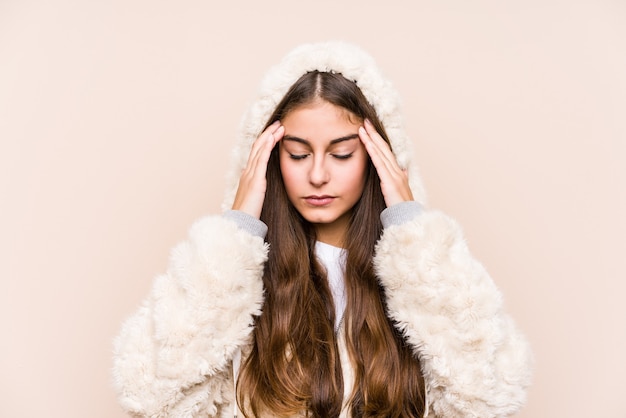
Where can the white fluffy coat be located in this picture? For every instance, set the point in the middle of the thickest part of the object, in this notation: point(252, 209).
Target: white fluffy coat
point(173, 357)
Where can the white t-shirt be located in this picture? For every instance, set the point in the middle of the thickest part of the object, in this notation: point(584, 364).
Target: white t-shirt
point(334, 261)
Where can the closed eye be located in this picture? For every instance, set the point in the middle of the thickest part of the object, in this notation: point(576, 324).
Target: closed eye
point(298, 156)
point(343, 156)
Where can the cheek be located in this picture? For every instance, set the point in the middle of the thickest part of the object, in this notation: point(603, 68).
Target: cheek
point(289, 173)
point(356, 173)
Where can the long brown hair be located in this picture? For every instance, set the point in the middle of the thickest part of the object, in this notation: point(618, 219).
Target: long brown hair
point(294, 365)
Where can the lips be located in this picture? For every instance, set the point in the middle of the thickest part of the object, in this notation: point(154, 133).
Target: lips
point(314, 200)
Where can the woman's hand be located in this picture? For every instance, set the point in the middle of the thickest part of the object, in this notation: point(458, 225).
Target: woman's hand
point(394, 181)
point(252, 184)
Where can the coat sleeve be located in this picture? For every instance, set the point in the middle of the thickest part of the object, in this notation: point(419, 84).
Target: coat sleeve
point(475, 362)
point(173, 356)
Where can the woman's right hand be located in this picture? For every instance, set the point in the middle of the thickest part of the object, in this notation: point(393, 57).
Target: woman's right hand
point(252, 183)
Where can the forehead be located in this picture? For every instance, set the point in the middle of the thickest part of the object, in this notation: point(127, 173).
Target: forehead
point(320, 120)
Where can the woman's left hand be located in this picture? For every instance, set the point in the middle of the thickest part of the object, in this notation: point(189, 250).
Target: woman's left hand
point(394, 180)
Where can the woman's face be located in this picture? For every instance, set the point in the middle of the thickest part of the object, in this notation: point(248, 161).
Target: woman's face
point(323, 164)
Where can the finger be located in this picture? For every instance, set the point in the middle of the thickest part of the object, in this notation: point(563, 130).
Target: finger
point(252, 183)
point(265, 151)
point(388, 158)
point(258, 164)
point(393, 178)
point(379, 152)
point(382, 147)
point(259, 148)
point(266, 136)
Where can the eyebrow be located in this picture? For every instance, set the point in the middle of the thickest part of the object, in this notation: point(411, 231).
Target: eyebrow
point(332, 142)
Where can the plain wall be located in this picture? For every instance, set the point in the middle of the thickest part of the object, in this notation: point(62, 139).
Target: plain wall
point(117, 118)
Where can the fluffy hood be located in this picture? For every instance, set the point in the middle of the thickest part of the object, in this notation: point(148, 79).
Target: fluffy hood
point(338, 57)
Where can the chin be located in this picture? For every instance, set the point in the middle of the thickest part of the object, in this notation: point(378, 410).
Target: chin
point(317, 219)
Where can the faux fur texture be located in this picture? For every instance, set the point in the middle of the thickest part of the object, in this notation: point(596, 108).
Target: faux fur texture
point(173, 356)
point(475, 363)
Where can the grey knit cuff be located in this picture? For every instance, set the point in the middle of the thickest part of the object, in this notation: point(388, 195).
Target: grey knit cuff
point(400, 213)
point(247, 222)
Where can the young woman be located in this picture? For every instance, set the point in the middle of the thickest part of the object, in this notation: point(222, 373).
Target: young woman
point(325, 288)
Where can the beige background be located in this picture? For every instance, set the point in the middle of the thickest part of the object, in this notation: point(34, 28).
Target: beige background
point(116, 120)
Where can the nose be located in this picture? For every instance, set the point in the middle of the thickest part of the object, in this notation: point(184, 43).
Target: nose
point(319, 175)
